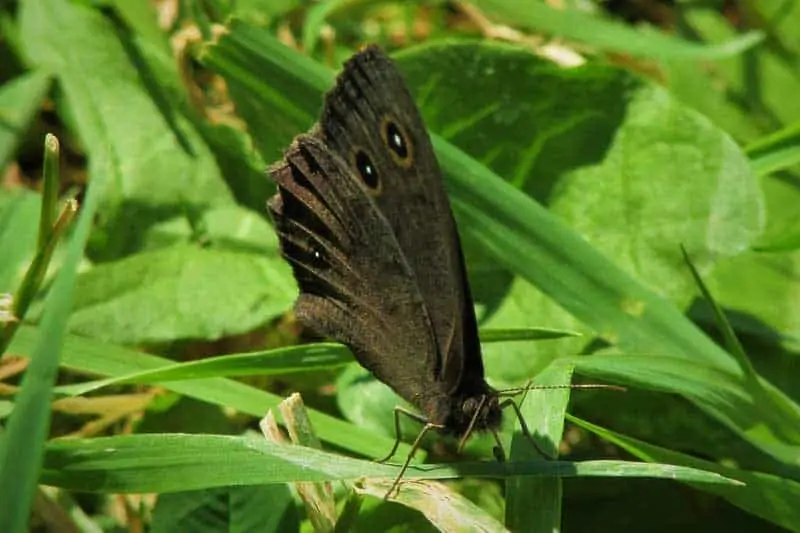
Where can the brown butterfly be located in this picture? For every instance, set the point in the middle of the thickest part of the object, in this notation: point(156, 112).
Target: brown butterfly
point(364, 220)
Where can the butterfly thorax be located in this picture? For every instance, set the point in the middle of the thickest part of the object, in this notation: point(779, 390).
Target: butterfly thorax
point(462, 413)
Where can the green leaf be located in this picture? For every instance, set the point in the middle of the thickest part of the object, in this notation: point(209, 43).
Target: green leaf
point(268, 363)
point(725, 395)
point(19, 218)
point(264, 508)
point(315, 20)
point(731, 340)
point(759, 285)
point(777, 151)
point(768, 496)
point(114, 112)
point(294, 86)
point(604, 150)
point(305, 358)
point(188, 462)
point(223, 228)
point(117, 300)
point(20, 101)
point(99, 358)
point(758, 89)
point(142, 18)
point(544, 412)
point(22, 444)
point(523, 334)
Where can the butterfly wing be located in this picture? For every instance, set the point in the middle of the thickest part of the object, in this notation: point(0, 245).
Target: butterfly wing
point(355, 283)
point(371, 122)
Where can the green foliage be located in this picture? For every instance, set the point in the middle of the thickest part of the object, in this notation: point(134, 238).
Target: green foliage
point(582, 188)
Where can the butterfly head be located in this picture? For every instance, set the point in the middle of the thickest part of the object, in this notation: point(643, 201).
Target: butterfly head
point(461, 416)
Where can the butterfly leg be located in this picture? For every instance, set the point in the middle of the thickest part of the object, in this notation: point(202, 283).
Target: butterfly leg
point(525, 391)
point(397, 412)
point(523, 426)
point(498, 451)
point(427, 427)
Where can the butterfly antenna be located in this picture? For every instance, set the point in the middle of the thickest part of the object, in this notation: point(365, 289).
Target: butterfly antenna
point(524, 390)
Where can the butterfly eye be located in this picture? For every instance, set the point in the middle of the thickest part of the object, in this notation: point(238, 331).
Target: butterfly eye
point(367, 170)
point(395, 138)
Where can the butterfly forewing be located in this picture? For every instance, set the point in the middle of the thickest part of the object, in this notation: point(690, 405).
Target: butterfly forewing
point(370, 116)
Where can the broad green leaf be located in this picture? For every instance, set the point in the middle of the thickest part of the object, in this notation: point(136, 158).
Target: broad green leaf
point(523, 304)
point(538, 247)
point(732, 342)
point(224, 227)
point(608, 153)
point(182, 292)
point(20, 100)
point(113, 111)
point(761, 283)
point(19, 218)
point(670, 179)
